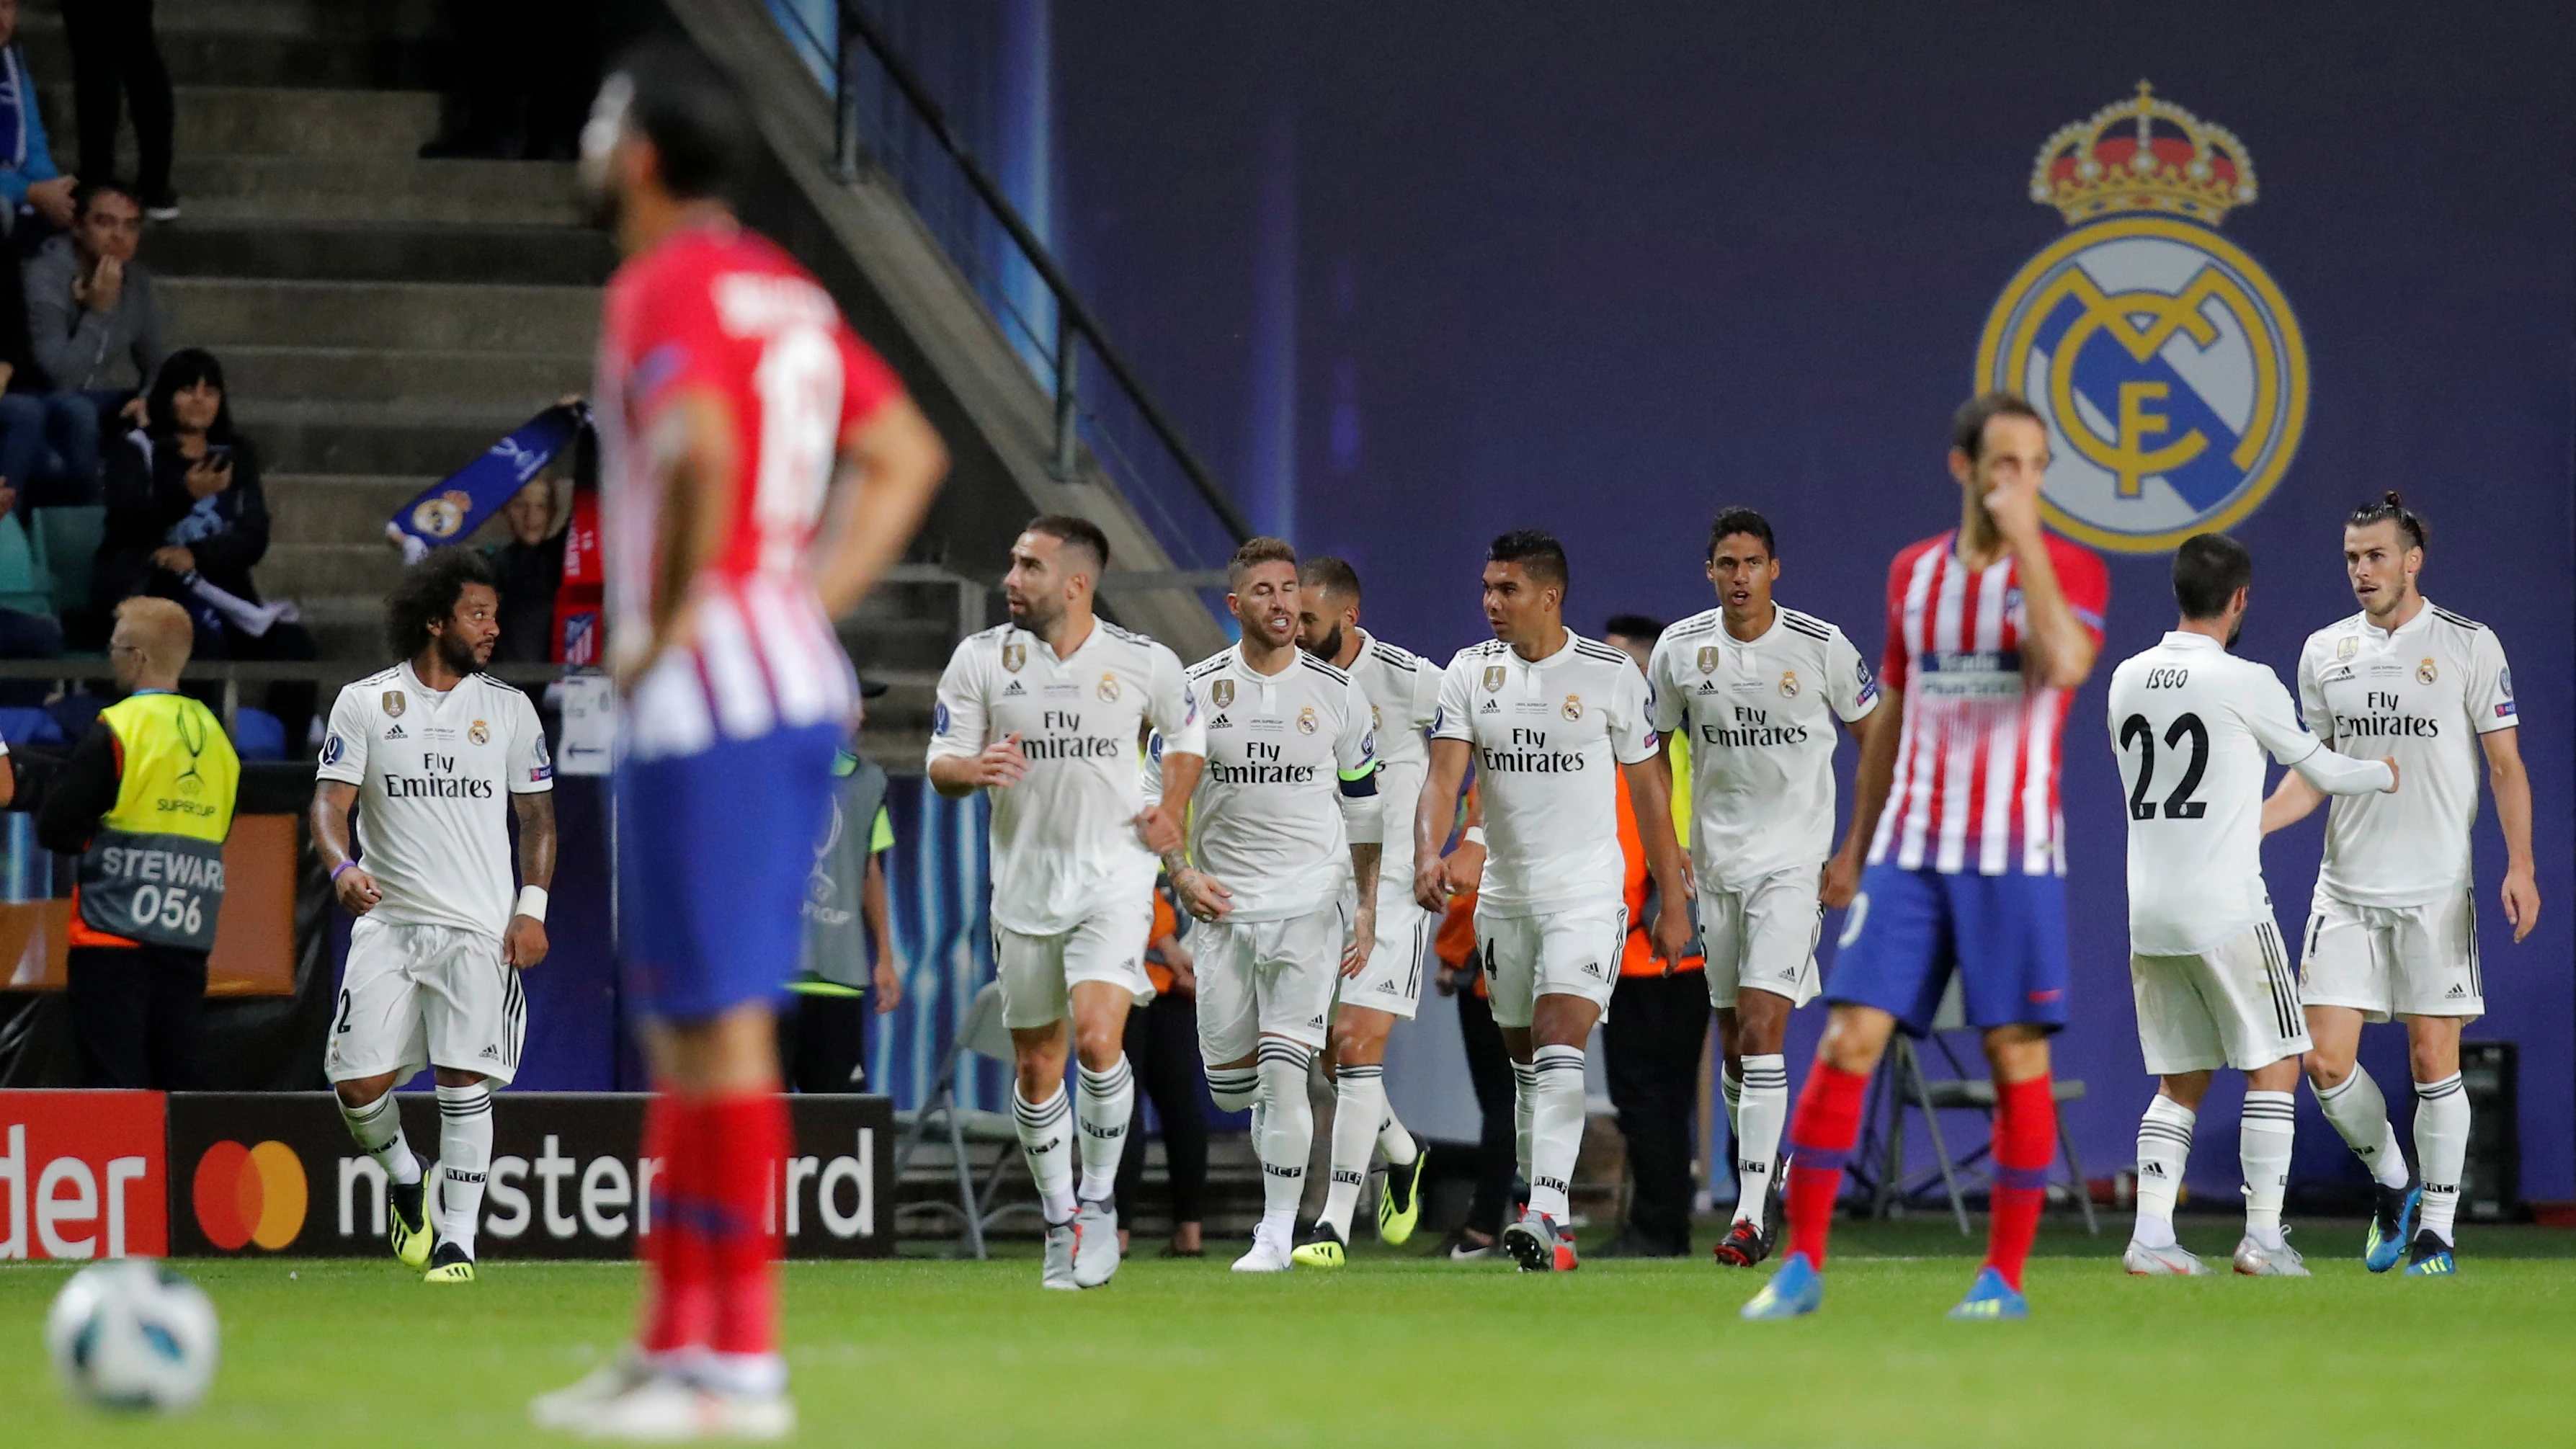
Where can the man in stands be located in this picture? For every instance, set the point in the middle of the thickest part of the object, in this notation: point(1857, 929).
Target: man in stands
point(94, 323)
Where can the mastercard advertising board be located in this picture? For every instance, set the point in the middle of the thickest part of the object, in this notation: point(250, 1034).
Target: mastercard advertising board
point(274, 1173)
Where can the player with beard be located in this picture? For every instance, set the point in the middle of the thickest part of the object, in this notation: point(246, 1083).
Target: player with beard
point(1044, 714)
point(760, 469)
point(1403, 690)
point(436, 756)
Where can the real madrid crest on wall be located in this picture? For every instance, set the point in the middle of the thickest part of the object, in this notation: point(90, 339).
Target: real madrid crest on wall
point(2168, 364)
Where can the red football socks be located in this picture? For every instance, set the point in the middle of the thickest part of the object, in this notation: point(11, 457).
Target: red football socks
point(2025, 1141)
point(711, 1259)
point(1821, 1135)
point(679, 1275)
point(747, 1139)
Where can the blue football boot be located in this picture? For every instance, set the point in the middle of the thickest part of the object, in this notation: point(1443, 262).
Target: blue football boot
point(1991, 1298)
point(1794, 1292)
point(2392, 1223)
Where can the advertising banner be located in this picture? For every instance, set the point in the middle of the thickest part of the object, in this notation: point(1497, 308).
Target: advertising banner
point(81, 1175)
point(256, 1173)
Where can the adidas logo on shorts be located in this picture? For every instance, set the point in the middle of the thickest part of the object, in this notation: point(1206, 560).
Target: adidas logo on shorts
point(2456, 991)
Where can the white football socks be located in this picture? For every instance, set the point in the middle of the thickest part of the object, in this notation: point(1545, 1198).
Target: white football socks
point(1556, 1128)
point(377, 1129)
point(1761, 1113)
point(2164, 1147)
point(1524, 1097)
point(1233, 1088)
point(1046, 1141)
point(1393, 1137)
point(1284, 1132)
point(1731, 1087)
point(2263, 1137)
point(1359, 1105)
point(464, 1158)
point(2441, 1149)
point(1103, 1108)
point(2360, 1116)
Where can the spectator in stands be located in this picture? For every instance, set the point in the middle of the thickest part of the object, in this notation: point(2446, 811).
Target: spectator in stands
point(29, 180)
point(114, 49)
point(28, 628)
point(529, 568)
point(186, 520)
point(849, 937)
point(1163, 1046)
point(93, 322)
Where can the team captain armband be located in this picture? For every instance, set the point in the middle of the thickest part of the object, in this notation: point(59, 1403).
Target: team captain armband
point(1360, 781)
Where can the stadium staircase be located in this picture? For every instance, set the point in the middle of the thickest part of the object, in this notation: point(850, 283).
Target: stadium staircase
point(383, 318)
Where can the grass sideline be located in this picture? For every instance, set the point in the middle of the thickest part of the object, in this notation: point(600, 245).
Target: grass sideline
point(1401, 1351)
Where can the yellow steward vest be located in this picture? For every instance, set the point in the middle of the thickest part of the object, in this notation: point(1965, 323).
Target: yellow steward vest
point(154, 870)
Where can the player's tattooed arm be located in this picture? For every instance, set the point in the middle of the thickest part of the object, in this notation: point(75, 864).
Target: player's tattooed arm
point(1431, 816)
point(2512, 786)
point(523, 942)
point(1159, 824)
point(1365, 858)
point(891, 463)
point(330, 820)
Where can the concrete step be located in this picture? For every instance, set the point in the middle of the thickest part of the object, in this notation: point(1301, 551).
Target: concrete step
point(312, 570)
point(336, 508)
point(330, 188)
point(894, 642)
point(404, 438)
point(225, 312)
point(341, 44)
point(221, 120)
point(328, 374)
point(326, 251)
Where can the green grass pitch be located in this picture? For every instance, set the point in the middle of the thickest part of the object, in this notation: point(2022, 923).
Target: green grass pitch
point(1400, 1351)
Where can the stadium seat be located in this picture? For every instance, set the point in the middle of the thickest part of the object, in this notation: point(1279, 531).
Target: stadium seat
point(69, 536)
point(258, 735)
point(981, 1034)
point(23, 726)
point(1879, 1160)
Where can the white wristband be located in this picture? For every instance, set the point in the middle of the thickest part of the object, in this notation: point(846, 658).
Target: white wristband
point(532, 904)
point(1475, 836)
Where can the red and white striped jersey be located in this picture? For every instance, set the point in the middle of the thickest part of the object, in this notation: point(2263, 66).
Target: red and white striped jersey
point(1977, 765)
point(720, 313)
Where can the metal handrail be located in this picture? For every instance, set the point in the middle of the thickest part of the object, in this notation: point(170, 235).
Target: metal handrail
point(1075, 322)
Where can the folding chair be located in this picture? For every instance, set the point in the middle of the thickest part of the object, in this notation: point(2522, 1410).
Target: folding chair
point(1901, 1085)
point(982, 1034)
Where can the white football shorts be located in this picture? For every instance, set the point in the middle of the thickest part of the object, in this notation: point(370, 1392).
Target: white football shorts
point(2395, 960)
point(414, 996)
point(1392, 980)
point(1038, 973)
point(1267, 978)
point(1764, 936)
point(2233, 1005)
point(1569, 952)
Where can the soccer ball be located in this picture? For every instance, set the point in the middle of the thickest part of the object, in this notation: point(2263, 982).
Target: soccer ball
point(133, 1334)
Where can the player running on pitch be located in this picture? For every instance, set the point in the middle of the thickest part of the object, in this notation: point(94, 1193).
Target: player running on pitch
point(436, 756)
point(760, 470)
point(2191, 723)
point(1990, 629)
point(1545, 715)
point(1757, 690)
point(1045, 713)
point(1283, 871)
point(2394, 927)
point(1403, 691)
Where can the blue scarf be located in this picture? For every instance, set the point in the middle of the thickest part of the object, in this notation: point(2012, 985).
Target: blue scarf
point(455, 506)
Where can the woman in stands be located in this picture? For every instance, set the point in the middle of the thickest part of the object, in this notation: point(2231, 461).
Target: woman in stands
point(186, 520)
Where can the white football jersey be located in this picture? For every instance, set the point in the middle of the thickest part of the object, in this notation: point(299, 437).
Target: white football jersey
point(1064, 837)
point(1403, 691)
point(2190, 724)
point(2421, 694)
point(1547, 736)
point(1288, 757)
point(1761, 718)
point(434, 774)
